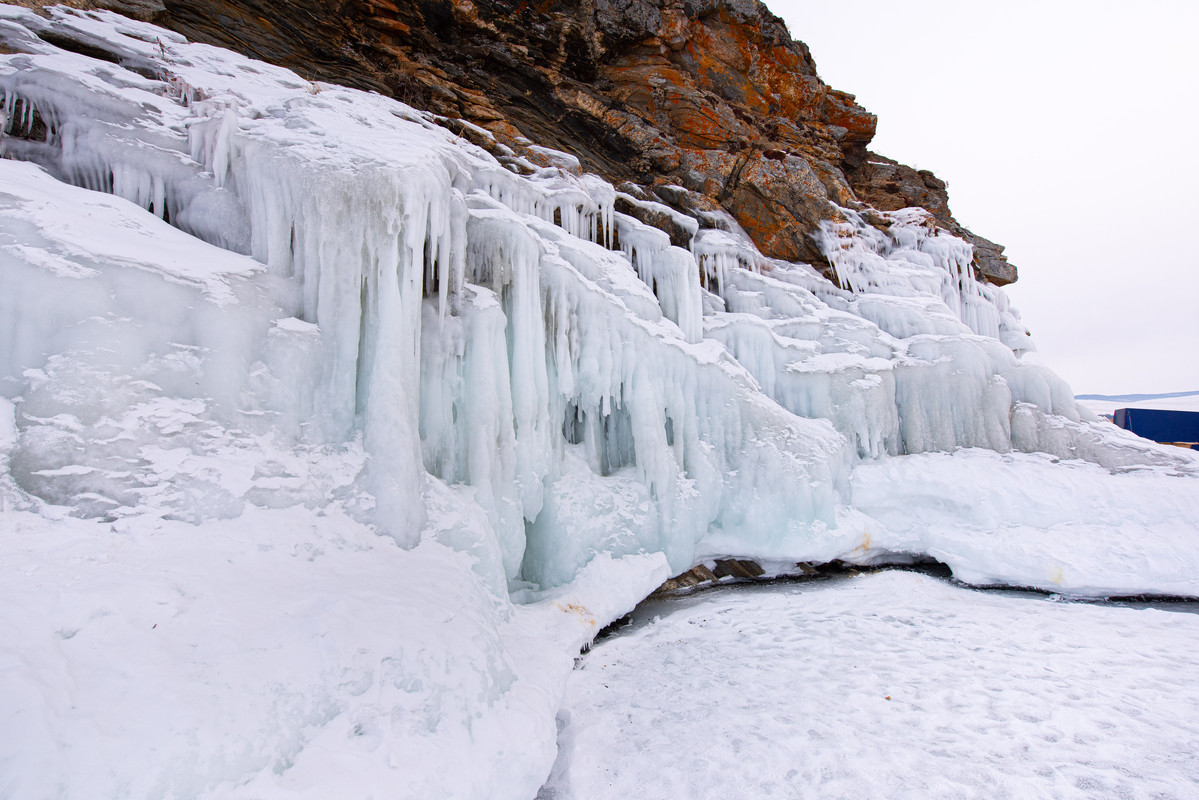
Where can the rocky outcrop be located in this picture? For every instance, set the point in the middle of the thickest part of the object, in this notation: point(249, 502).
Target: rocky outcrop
point(712, 96)
point(888, 186)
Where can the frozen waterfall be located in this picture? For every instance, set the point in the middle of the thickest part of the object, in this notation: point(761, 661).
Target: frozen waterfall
point(473, 325)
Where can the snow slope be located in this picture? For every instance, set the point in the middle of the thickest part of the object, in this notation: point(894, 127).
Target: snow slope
point(327, 438)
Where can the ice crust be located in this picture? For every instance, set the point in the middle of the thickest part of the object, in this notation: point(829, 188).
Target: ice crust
point(940, 691)
point(236, 299)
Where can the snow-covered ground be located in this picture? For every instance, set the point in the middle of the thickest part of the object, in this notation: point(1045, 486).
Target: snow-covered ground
point(893, 685)
point(279, 654)
point(327, 437)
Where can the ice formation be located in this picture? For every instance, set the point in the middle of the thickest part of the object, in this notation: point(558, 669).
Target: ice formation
point(229, 292)
point(469, 324)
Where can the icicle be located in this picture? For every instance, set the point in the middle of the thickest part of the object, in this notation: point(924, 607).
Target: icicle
point(221, 151)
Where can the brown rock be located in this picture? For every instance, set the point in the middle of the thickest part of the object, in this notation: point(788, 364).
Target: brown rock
point(145, 10)
point(710, 94)
point(662, 220)
point(779, 203)
point(738, 568)
point(888, 185)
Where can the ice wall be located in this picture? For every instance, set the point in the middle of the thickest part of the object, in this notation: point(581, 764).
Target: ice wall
point(368, 279)
point(467, 324)
point(909, 354)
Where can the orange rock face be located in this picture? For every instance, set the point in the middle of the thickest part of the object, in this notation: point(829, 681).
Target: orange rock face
point(756, 129)
point(711, 95)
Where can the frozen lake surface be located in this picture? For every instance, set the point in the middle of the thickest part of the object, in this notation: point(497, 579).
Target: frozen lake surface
point(894, 684)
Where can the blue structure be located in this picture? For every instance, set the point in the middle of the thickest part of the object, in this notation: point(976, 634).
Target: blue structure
point(1158, 425)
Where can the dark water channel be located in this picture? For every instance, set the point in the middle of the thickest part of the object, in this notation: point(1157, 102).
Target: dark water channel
point(828, 575)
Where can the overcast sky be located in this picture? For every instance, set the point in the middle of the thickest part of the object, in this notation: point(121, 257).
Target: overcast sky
point(1068, 132)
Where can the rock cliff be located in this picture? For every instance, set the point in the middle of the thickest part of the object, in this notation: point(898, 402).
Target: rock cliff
point(700, 105)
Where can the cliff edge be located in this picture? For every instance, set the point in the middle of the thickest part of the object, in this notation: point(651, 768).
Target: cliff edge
point(700, 105)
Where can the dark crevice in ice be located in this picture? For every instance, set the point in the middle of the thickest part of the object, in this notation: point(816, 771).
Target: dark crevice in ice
point(661, 600)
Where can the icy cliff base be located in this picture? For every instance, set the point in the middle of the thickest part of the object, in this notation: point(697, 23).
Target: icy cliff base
point(342, 436)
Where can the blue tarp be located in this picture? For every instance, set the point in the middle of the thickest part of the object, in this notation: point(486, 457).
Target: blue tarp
point(1159, 425)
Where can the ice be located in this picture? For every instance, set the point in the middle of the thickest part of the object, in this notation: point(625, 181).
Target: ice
point(720, 251)
point(472, 325)
point(937, 388)
point(670, 271)
point(914, 258)
point(1107, 404)
point(890, 685)
point(251, 320)
point(242, 663)
point(360, 253)
point(683, 221)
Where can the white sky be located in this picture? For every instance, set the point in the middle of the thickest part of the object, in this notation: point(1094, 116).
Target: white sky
point(1067, 132)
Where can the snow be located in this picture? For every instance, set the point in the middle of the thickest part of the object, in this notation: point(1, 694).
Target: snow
point(1070, 527)
point(338, 438)
point(886, 685)
point(277, 654)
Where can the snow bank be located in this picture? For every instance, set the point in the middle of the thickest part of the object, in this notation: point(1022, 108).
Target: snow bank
point(1033, 520)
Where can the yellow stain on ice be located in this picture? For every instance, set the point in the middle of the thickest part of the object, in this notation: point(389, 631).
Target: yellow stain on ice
point(1056, 575)
point(865, 545)
point(579, 611)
